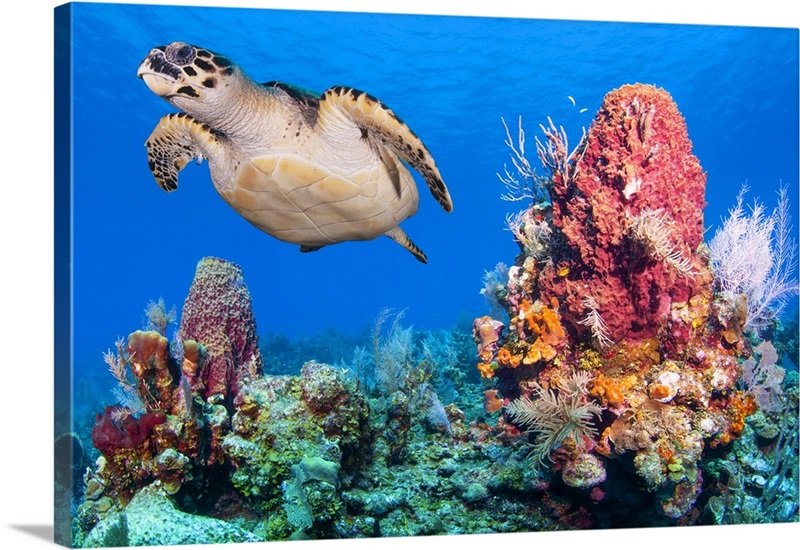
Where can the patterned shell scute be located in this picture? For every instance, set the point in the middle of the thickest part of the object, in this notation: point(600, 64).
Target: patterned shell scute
point(298, 200)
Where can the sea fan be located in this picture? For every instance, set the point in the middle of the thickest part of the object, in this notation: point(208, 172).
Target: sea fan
point(763, 378)
point(755, 256)
point(157, 317)
point(392, 354)
point(125, 392)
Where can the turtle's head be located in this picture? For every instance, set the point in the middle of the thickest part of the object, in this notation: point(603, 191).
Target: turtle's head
point(187, 76)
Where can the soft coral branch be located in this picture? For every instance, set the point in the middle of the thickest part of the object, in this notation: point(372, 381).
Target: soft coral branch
point(754, 255)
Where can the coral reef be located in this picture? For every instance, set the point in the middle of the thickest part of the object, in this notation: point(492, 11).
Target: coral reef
point(757, 481)
point(621, 359)
point(159, 437)
point(282, 423)
point(173, 415)
point(303, 456)
point(623, 386)
point(282, 450)
point(218, 314)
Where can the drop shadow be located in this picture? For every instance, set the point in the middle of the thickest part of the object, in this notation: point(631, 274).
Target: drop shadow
point(44, 532)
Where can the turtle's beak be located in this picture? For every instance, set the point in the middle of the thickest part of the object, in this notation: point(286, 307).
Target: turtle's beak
point(159, 75)
point(158, 84)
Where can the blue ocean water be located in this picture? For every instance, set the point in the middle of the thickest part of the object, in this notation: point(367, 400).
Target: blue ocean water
point(451, 79)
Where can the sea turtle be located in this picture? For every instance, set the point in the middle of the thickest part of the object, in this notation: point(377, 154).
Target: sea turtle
point(308, 169)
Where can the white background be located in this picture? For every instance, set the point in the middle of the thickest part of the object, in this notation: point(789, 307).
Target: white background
point(26, 214)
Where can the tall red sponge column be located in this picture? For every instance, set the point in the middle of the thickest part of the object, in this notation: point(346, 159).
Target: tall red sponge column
point(218, 314)
point(631, 215)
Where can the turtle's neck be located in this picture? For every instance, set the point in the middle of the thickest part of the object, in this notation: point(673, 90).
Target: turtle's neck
point(247, 113)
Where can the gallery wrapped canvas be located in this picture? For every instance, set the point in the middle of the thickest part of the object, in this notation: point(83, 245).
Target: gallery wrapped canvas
point(584, 315)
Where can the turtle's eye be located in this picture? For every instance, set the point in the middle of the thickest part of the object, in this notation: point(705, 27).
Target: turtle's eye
point(184, 53)
point(180, 53)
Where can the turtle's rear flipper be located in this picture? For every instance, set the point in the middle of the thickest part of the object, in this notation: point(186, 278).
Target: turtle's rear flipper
point(177, 139)
point(399, 236)
point(379, 123)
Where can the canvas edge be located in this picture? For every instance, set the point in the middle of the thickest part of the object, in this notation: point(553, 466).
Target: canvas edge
point(64, 448)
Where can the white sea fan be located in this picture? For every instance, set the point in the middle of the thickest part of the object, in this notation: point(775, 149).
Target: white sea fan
point(126, 392)
point(392, 353)
point(554, 153)
point(130, 402)
point(492, 281)
point(754, 255)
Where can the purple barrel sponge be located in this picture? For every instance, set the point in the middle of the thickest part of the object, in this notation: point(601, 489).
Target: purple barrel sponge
point(218, 314)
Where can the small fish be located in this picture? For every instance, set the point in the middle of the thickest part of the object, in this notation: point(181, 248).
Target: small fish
point(583, 110)
point(571, 99)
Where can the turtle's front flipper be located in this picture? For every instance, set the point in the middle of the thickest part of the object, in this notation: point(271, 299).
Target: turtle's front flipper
point(378, 122)
point(177, 139)
point(399, 236)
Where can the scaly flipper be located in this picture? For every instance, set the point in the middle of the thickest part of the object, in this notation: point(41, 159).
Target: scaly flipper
point(378, 122)
point(399, 236)
point(177, 139)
